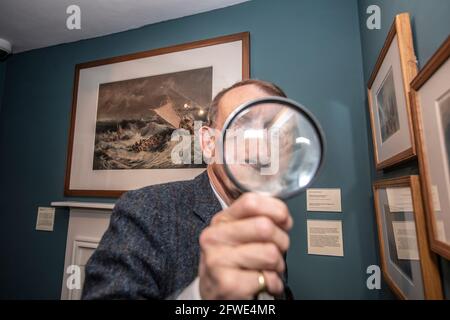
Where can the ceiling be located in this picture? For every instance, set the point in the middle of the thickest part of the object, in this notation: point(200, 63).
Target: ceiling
point(41, 23)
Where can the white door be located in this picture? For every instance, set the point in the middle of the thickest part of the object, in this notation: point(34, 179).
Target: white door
point(86, 228)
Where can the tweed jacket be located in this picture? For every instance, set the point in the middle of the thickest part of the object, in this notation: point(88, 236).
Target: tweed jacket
point(151, 247)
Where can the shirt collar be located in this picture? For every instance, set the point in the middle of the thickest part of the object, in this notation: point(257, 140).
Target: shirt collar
point(221, 201)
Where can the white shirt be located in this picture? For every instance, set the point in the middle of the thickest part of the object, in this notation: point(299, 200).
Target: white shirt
point(192, 291)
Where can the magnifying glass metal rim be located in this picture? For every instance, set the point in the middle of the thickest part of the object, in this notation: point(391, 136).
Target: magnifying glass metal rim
point(289, 103)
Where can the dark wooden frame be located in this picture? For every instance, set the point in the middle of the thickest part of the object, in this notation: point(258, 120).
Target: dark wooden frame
point(433, 65)
point(243, 36)
point(428, 263)
point(402, 28)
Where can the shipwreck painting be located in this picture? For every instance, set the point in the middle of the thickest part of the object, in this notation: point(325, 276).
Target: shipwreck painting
point(136, 118)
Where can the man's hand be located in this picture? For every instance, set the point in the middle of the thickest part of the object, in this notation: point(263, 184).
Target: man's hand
point(248, 237)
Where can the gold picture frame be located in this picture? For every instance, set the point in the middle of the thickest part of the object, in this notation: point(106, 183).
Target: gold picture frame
point(408, 265)
point(388, 91)
point(222, 61)
point(430, 98)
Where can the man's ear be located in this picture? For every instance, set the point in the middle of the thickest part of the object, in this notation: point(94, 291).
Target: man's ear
point(207, 141)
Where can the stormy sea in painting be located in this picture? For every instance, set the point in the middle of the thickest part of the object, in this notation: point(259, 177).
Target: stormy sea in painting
point(136, 118)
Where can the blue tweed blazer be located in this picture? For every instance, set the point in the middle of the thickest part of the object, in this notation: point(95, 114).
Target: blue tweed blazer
point(151, 248)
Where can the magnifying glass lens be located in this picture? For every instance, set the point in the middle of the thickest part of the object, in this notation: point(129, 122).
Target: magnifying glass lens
point(272, 146)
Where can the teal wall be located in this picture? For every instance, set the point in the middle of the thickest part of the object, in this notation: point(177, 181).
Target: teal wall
point(312, 49)
point(2, 81)
point(431, 26)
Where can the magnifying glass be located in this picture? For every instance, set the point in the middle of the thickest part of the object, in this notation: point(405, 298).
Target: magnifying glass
point(272, 146)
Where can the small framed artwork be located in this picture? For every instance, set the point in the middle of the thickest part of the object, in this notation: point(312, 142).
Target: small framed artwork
point(408, 266)
point(430, 97)
point(388, 90)
point(128, 113)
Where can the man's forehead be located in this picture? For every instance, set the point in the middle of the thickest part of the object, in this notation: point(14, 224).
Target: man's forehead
point(238, 96)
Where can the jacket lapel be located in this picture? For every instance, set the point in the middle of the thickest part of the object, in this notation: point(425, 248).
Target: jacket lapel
point(206, 205)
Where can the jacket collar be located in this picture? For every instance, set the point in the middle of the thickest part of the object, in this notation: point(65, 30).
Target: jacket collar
point(206, 204)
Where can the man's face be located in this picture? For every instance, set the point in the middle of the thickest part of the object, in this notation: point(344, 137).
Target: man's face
point(229, 102)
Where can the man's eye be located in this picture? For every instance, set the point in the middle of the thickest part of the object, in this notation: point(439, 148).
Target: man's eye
point(251, 160)
point(259, 165)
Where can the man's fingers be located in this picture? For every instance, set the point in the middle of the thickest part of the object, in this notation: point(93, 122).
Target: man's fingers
point(244, 284)
point(246, 237)
point(274, 283)
point(256, 229)
point(220, 217)
point(251, 205)
point(252, 256)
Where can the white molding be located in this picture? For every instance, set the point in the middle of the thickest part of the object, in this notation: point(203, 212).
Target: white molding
point(78, 243)
point(87, 224)
point(79, 204)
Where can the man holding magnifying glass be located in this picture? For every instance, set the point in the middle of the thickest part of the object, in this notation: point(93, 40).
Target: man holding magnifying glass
point(198, 239)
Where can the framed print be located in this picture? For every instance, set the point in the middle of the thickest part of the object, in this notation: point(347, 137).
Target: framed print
point(409, 267)
point(126, 108)
point(388, 89)
point(430, 96)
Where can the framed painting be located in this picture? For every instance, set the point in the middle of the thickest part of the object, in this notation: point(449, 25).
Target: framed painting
point(388, 89)
point(408, 266)
point(430, 97)
point(127, 112)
